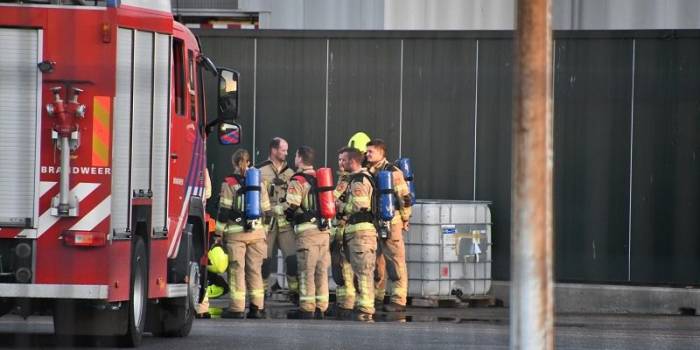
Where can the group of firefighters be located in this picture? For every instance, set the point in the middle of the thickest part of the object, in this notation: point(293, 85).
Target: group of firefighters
point(289, 213)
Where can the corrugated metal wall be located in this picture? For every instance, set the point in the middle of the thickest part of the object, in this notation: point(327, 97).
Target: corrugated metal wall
point(626, 129)
point(592, 100)
point(438, 124)
point(665, 222)
point(494, 147)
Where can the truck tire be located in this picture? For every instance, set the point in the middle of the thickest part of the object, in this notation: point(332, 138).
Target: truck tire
point(5, 306)
point(177, 314)
point(138, 296)
point(77, 322)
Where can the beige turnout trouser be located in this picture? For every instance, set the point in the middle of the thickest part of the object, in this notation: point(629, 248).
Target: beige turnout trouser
point(284, 237)
point(361, 252)
point(391, 261)
point(345, 293)
point(246, 251)
point(313, 260)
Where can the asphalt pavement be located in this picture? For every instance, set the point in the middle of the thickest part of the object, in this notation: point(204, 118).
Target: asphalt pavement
point(421, 328)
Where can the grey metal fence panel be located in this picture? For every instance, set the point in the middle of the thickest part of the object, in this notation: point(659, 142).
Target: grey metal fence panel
point(438, 108)
point(291, 94)
point(592, 94)
point(666, 162)
point(363, 91)
point(493, 136)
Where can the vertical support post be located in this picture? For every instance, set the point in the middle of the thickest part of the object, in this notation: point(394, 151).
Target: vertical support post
point(255, 94)
point(325, 106)
point(532, 315)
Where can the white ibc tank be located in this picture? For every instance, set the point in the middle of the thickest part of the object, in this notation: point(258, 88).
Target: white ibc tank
point(448, 249)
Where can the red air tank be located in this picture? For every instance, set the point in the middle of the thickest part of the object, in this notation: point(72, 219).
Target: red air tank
point(324, 181)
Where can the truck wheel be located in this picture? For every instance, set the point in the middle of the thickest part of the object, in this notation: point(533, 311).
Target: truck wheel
point(186, 306)
point(5, 306)
point(178, 314)
point(136, 306)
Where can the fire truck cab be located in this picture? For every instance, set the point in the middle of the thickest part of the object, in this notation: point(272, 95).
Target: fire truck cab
point(102, 159)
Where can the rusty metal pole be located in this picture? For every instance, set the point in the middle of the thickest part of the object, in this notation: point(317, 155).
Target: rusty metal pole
point(531, 313)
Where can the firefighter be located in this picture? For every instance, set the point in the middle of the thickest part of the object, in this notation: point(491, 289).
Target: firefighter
point(340, 266)
point(360, 235)
point(312, 240)
point(391, 256)
point(244, 241)
point(275, 175)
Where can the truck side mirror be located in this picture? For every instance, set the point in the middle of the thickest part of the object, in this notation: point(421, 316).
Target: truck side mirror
point(229, 133)
point(228, 95)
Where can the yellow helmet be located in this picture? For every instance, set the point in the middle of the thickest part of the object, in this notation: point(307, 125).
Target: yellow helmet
point(218, 260)
point(359, 141)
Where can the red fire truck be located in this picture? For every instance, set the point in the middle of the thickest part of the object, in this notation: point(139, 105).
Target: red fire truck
point(102, 158)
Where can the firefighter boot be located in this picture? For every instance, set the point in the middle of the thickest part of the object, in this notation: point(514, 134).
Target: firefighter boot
point(394, 307)
point(255, 312)
point(228, 313)
point(365, 317)
point(300, 315)
point(343, 314)
point(203, 315)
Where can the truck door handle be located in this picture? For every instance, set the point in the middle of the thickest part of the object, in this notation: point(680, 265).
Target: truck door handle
point(173, 155)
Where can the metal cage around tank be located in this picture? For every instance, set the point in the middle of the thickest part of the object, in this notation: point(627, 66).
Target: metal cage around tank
point(448, 249)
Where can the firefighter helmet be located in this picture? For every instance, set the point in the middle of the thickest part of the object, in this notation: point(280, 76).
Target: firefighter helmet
point(218, 260)
point(359, 141)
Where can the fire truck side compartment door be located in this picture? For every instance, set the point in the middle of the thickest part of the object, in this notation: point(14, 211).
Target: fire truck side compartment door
point(141, 125)
point(20, 119)
point(161, 131)
point(122, 132)
point(142, 112)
